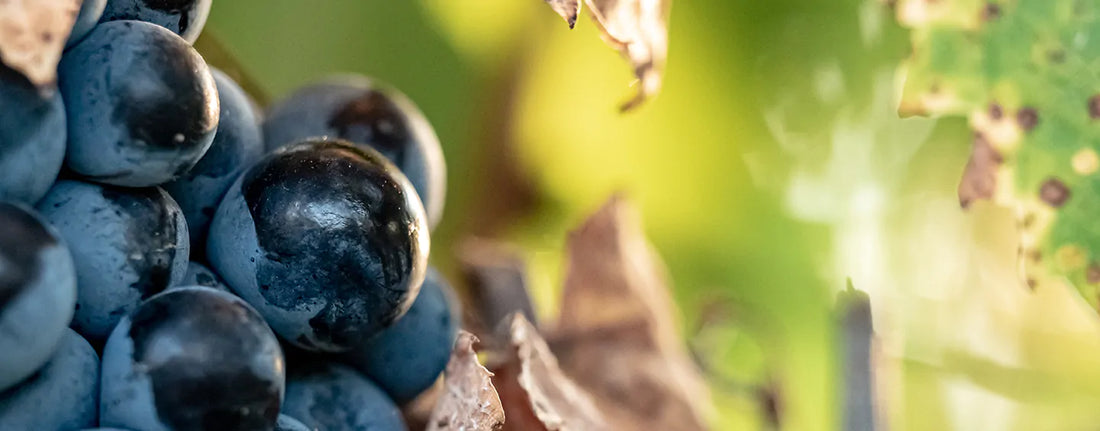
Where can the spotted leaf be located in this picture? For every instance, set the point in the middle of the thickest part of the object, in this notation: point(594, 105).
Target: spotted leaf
point(1027, 75)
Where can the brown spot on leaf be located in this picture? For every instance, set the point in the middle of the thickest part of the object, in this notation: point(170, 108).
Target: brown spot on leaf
point(991, 11)
point(1094, 107)
point(470, 402)
point(1027, 118)
point(1032, 284)
point(1092, 274)
point(995, 111)
point(1057, 56)
point(979, 180)
point(1054, 192)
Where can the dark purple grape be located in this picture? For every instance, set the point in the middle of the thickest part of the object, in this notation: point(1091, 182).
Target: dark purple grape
point(183, 17)
point(127, 244)
point(37, 292)
point(334, 397)
point(366, 113)
point(32, 138)
point(63, 395)
point(192, 359)
point(141, 104)
point(327, 240)
point(406, 358)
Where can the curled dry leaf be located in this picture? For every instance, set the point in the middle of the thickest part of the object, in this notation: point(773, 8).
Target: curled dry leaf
point(535, 393)
point(470, 402)
point(617, 334)
point(639, 30)
point(568, 9)
point(33, 35)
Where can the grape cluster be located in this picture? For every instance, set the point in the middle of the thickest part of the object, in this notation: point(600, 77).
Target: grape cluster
point(173, 259)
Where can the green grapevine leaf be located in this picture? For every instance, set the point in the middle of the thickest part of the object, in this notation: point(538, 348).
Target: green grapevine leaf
point(1027, 75)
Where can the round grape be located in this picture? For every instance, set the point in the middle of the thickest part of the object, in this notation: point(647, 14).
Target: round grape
point(32, 138)
point(62, 396)
point(406, 358)
point(127, 244)
point(364, 112)
point(142, 105)
point(337, 398)
point(37, 292)
point(192, 358)
point(183, 17)
point(327, 240)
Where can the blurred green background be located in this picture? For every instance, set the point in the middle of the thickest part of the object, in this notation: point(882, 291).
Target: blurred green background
point(771, 168)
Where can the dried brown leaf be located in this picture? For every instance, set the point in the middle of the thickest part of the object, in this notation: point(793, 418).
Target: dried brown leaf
point(470, 402)
point(639, 30)
point(980, 177)
point(568, 9)
point(497, 278)
point(33, 35)
point(535, 393)
point(618, 334)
